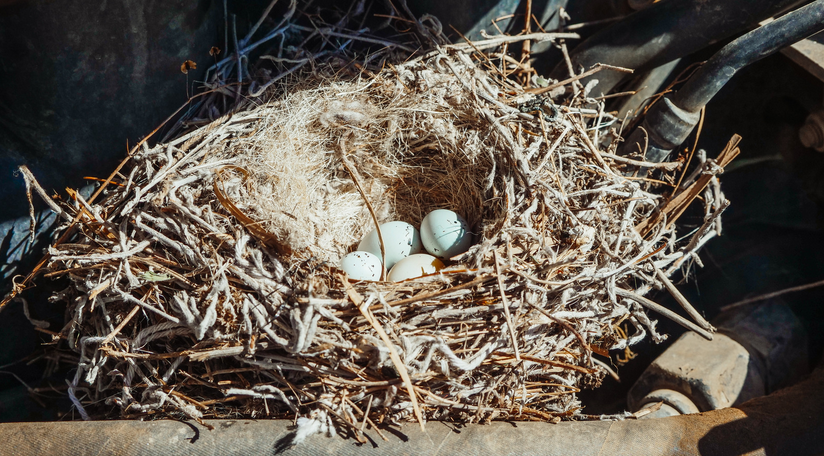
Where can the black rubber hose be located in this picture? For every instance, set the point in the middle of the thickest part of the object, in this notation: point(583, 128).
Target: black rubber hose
point(665, 31)
point(670, 121)
point(761, 42)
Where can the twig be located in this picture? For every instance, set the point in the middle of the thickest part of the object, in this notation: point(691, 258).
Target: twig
point(497, 41)
point(366, 418)
point(120, 327)
point(665, 312)
point(774, 294)
point(507, 316)
point(31, 182)
point(694, 148)
point(426, 296)
point(679, 203)
point(667, 166)
point(568, 327)
point(683, 301)
point(525, 52)
point(598, 67)
point(393, 354)
point(354, 175)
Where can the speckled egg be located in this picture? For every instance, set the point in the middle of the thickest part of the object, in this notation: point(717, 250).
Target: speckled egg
point(445, 233)
point(414, 266)
point(362, 266)
point(399, 238)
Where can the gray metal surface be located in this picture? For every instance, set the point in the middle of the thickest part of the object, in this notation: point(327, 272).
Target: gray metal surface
point(787, 422)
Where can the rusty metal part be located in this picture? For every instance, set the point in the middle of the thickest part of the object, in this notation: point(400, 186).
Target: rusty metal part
point(811, 133)
point(674, 403)
point(713, 374)
point(756, 351)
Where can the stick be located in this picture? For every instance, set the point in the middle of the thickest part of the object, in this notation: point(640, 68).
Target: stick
point(28, 177)
point(774, 294)
point(527, 46)
point(506, 307)
point(393, 354)
point(679, 203)
point(120, 326)
point(569, 328)
point(598, 67)
point(594, 150)
point(366, 418)
point(667, 166)
point(552, 363)
point(497, 41)
point(683, 301)
point(435, 294)
point(665, 312)
point(348, 165)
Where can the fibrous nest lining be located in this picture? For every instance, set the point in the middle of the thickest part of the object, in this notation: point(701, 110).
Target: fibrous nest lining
point(205, 283)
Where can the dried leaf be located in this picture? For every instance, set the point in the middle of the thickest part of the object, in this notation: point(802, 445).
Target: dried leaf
point(188, 65)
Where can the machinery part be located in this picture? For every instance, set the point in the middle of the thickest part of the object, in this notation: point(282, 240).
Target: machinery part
point(647, 85)
point(670, 121)
point(673, 403)
point(663, 32)
point(473, 16)
point(811, 133)
point(664, 128)
point(710, 374)
point(756, 351)
point(787, 422)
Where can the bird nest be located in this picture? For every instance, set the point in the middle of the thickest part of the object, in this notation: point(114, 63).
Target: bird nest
point(204, 280)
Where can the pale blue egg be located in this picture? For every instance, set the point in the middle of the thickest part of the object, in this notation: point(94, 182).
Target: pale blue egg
point(445, 233)
point(362, 266)
point(399, 238)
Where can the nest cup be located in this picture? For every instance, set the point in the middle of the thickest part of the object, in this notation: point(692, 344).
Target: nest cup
point(411, 154)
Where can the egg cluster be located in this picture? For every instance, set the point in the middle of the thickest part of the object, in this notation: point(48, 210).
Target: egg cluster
point(443, 234)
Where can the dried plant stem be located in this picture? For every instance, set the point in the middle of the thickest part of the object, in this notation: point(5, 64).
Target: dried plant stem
point(507, 315)
point(120, 327)
point(668, 166)
point(498, 41)
point(576, 78)
point(774, 294)
point(665, 312)
point(396, 360)
point(351, 170)
point(701, 321)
